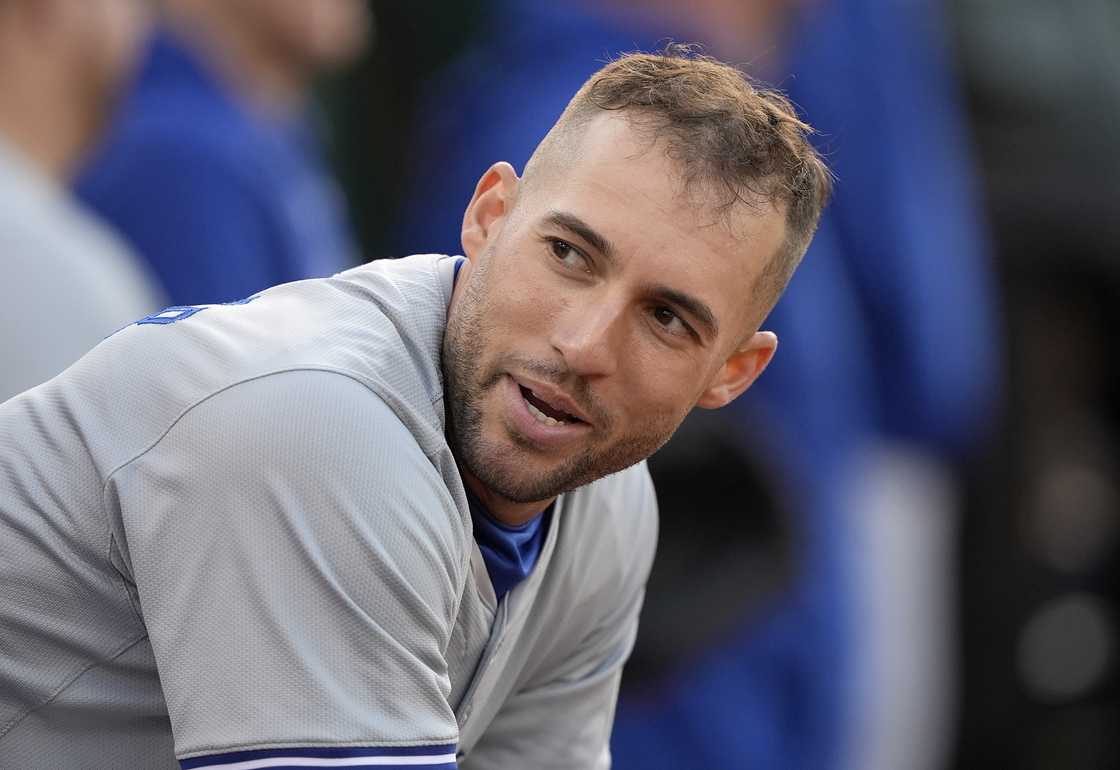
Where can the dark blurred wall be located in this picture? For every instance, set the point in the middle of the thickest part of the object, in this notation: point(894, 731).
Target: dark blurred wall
point(1040, 551)
point(371, 108)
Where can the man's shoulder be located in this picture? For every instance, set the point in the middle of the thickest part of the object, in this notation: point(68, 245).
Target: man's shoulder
point(134, 385)
point(612, 523)
point(318, 444)
point(626, 497)
point(605, 538)
point(349, 432)
point(358, 322)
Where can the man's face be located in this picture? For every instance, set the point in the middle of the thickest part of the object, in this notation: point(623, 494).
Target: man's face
point(596, 312)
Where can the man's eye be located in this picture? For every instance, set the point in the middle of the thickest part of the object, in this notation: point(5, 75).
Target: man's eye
point(567, 254)
point(670, 321)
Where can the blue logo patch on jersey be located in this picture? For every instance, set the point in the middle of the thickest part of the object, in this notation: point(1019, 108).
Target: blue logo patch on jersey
point(178, 312)
point(172, 314)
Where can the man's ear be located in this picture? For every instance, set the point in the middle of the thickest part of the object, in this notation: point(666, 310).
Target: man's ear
point(491, 203)
point(740, 370)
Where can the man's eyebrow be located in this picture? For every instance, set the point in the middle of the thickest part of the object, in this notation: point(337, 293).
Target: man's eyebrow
point(586, 232)
point(691, 305)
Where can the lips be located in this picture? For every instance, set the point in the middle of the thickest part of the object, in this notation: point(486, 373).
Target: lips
point(545, 411)
point(542, 417)
point(550, 400)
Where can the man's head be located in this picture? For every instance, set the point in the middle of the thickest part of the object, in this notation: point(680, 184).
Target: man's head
point(622, 280)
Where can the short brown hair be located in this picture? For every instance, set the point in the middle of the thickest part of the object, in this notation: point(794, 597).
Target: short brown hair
point(729, 135)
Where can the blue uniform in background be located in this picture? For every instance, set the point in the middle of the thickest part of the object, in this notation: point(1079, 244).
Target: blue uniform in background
point(222, 199)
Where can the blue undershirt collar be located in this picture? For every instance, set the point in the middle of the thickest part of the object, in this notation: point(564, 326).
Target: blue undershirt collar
point(510, 553)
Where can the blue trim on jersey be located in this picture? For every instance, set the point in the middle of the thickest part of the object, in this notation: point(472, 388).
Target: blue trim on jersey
point(244, 301)
point(334, 765)
point(441, 757)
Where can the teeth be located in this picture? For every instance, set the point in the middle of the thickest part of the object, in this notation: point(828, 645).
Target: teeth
point(541, 416)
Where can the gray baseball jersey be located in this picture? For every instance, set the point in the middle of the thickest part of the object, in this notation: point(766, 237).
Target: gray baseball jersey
point(235, 535)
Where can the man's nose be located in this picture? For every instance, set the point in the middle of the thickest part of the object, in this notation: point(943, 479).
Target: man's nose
point(588, 335)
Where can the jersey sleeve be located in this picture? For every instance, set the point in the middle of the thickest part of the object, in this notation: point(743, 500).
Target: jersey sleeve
point(298, 562)
point(561, 717)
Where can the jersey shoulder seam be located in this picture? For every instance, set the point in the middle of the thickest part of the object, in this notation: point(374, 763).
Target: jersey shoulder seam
point(464, 559)
point(107, 520)
point(229, 386)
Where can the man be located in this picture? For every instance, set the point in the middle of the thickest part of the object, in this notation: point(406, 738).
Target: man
point(212, 171)
point(400, 515)
point(67, 282)
point(876, 389)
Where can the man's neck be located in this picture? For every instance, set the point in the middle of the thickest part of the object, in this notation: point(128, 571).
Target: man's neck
point(506, 511)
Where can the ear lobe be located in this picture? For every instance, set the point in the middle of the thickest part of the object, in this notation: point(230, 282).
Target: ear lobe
point(493, 197)
point(739, 371)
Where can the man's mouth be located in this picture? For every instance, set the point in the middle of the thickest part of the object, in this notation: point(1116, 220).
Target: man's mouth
point(543, 412)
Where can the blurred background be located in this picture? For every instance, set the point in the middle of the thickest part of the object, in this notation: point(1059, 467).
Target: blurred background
point(900, 548)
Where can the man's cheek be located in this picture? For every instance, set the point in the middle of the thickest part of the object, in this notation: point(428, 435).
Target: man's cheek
point(532, 310)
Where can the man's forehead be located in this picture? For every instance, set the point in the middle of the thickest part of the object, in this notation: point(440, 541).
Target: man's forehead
point(635, 215)
point(626, 148)
point(616, 175)
point(619, 137)
point(611, 138)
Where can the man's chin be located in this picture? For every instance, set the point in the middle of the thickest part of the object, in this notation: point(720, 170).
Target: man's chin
point(518, 470)
point(521, 476)
point(517, 486)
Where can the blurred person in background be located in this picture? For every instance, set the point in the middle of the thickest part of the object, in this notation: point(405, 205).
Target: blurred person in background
point(912, 246)
point(67, 282)
point(212, 169)
point(889, 368)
